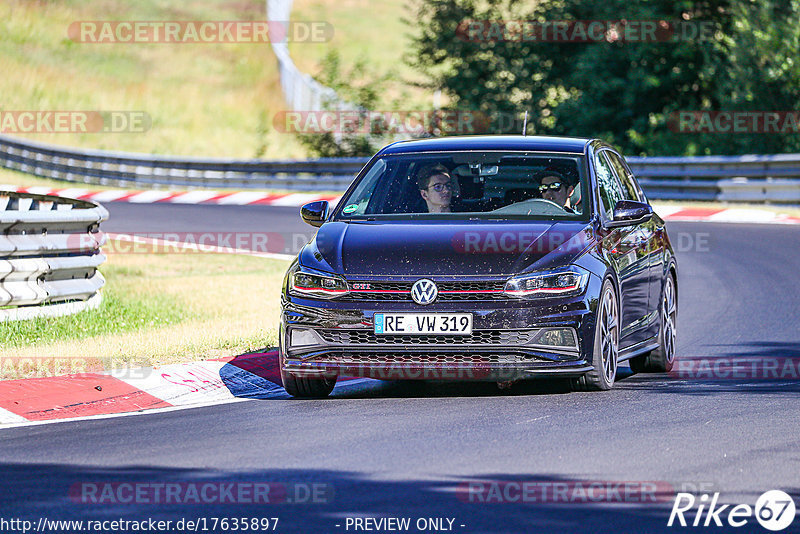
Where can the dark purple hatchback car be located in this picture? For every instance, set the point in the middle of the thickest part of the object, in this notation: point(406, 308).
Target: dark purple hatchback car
point(482, 258)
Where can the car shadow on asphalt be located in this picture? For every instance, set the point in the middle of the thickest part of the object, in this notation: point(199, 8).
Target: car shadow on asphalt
point(448, 388)
point(754, 368)
point(316, 500)
point(757, 368)
point(264, 364)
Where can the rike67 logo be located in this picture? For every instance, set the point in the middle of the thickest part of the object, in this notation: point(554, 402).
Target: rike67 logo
point(774, 510)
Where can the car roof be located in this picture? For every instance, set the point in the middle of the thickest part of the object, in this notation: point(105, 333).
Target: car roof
point(490, 142)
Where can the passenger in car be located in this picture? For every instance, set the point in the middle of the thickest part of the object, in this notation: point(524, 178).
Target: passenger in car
point(556, 188)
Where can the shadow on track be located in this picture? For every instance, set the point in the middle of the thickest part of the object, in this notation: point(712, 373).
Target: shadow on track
point(762, 368)
point(264, 364)
point(30, 491)
point(752, 368)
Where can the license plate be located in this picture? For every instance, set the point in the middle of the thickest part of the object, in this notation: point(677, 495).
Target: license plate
point(423, 323)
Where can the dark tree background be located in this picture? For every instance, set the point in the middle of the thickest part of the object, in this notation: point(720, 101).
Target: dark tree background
point(623, 92)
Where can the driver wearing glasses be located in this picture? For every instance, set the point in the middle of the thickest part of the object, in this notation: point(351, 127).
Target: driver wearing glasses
point(436, 188)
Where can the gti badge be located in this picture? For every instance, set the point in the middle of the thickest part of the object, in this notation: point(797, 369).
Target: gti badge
point(424, 292)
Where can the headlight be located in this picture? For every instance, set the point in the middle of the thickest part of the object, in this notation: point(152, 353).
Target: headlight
point(306, 283)
point(556, 283)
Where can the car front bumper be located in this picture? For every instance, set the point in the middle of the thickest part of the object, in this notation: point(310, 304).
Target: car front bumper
point(509, 340)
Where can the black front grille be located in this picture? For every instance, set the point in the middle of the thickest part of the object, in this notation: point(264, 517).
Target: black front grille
point(478, 337)
point(424, 358)
point(470, 286)
point(471, 296)
point(448, 291)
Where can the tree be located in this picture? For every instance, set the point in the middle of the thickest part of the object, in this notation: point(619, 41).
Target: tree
point(361, 139)
point(626, 91)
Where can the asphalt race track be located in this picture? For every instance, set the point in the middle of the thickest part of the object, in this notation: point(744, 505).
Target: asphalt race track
point(397, 449)
point(136, 218)
point(213, 223)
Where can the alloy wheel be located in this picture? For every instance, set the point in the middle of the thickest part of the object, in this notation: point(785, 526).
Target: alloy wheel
point(669, 313)
point(609, 335)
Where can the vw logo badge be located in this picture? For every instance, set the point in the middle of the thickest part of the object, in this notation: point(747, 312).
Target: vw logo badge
point(424, 292)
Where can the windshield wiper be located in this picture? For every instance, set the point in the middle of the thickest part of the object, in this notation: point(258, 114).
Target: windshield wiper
point(368, 219)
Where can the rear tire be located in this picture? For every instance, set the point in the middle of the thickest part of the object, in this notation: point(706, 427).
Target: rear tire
point(606, 344)
point(661, 359)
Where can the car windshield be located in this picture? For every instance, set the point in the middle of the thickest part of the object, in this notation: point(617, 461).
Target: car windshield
point(494, 185)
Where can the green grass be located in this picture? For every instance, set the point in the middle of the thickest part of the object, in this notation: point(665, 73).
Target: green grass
point(117, 313)
point(373, 32)
point(205, 100)
point(213, 100)
point(157, 309)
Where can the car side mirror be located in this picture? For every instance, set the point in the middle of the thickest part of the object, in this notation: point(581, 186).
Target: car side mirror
point(630, 212)
point(315, 213)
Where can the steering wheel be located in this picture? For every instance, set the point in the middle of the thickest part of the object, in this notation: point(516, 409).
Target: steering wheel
point(547, 207)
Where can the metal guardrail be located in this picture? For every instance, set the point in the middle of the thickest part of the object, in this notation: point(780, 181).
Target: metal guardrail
point(49, 255)
point(301, 91)
point(121, 169)
point(749, 178)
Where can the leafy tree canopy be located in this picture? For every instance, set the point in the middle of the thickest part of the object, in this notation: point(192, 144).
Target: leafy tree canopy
point(712, 55)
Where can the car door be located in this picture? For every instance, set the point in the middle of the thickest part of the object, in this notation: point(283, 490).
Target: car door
point(626, 248)
point(652, 244)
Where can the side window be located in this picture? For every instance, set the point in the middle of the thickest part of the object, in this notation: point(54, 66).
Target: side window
point(629, 188)
point(608, 186)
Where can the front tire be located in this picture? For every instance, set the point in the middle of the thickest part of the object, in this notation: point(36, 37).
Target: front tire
point(662, 359)
point(304, 387)
point(606, 344)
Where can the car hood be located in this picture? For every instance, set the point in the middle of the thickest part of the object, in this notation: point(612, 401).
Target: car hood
point(431, 248)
